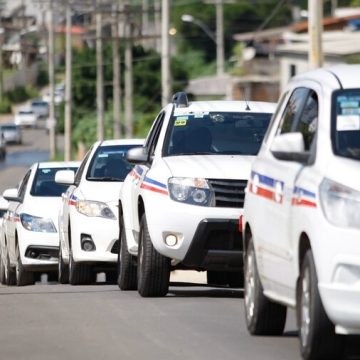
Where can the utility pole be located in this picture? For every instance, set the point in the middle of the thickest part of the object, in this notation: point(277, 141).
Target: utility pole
point(315, 10)
point(145, 22)
point(99, 77)
point(52, 119)
point(2, 34)
point(116, 75)
point(68, 86)
point(157, 20)
point(165, 54)
point(128, 76)
point(220, 38)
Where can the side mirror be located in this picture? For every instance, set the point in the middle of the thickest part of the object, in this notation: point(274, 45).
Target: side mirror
point(11, 195)
point(65, 177)
point(3, 204)
point(290, 147)
point(137, 155)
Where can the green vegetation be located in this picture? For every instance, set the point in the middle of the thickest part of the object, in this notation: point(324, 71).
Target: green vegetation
point(5, 106)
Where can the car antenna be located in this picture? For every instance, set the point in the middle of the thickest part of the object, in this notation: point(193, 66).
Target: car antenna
point(247, 104)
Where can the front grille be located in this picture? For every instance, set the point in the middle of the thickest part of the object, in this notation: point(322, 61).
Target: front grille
point(228, 193)
point(115, 247)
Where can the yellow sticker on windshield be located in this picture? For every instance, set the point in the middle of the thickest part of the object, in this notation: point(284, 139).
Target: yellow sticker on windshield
point(180, 122)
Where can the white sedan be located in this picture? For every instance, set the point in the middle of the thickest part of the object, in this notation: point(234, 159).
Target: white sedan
point(26, 117)
point(31, 240)
point(88, 219)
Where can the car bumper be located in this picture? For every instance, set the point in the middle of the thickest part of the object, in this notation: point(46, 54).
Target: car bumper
point(38, 250)
point(104, 233)
point(195, 228)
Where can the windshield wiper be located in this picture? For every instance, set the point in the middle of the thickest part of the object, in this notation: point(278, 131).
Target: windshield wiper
point(194, 153)
point(104, 178)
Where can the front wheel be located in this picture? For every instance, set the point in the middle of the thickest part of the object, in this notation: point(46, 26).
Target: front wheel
point(127, 272)
point(317, 334)
point(153, 269)
point(79, 273)
point(63, 269)
point(2, 271)
point(10, 275)
point(263, 317)
point(23, 276)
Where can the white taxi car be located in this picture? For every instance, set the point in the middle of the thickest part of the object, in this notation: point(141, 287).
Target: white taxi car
point(30, 242)
point(3, 209)
point(88, 218)
point(301, 220)
point(181, 203)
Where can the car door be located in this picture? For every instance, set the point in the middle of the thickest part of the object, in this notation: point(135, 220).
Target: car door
point(140, 171)
point(273, 180)
point(14, 217)
point(69, 199)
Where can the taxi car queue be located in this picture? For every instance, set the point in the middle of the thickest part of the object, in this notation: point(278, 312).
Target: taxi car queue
point(300, 220)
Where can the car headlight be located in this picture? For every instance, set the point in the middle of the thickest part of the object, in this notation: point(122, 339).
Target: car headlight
point(38, 224)
point(193, 191)
point(94, 208)
point(340, 204)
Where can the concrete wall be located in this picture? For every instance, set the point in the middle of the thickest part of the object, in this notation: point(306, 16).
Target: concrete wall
point(22, 77)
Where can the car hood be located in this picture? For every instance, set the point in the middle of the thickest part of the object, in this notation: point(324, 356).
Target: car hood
point(43, 206)
point(210, 166)
point(104, 191)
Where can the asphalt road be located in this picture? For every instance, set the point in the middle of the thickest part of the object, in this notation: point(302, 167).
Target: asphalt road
point(51, 321)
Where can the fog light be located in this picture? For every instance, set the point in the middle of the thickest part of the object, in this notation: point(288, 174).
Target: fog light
point(171, 240)
point(87, 243)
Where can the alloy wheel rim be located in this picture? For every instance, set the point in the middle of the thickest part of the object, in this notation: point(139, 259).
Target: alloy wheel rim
point(305, 308)
point(59, 262)
point(250, 286)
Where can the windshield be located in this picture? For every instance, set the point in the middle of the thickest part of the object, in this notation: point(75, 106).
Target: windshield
point(24, 112)
point(109, 163)
point(2, 213)
point(8, 127)
point(346, 123)
point(217, 133)
point(44, 182)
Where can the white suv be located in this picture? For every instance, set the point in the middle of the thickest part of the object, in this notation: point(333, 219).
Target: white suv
point(302, 214)
point(181, 202)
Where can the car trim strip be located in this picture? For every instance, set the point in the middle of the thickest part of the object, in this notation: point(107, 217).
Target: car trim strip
point(154, 182)
point(151, 188)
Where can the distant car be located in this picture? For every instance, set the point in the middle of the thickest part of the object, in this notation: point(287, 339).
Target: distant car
point(3, 209)
point(31, 236)
point(40, 108)
point(11, 132)
point(58, 97)
point(26, 117)
point(2, 147)
point(88, 218)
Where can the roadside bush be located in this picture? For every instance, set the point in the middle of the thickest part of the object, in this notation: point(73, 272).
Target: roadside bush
point(5, 106)
point(43, 76)
point(22, 93)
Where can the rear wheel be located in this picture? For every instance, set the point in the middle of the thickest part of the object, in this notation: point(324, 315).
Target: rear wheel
point(317, 334)
point(63, 269)
point(153, 268)
point(127, 278)
point(263, 317)
point(23, 276)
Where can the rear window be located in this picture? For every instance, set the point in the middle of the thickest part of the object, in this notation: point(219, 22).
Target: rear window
point(24, 112)
point(2, 213)
point(346, 123)
point(216, 133)
point(44, 182)
point(8, 127)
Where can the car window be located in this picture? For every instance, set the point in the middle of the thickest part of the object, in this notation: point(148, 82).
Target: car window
point(155, 137)
point(2, 213)
point(23, 185)
point(292, 111)
point(308, 120)
point(44, 182)
point(109, 163)
point(80, 171)
point(153, 131)
point(216, 133)
point(345, 127)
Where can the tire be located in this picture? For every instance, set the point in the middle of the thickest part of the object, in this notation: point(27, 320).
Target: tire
point(153, 269)
point(23, 277)
point(63, 269)
point(127, 272)
point(234, 279)
point(316, 332)
point(10, 274)
point(263, 317)
point(79, 274)
point(2, 272)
